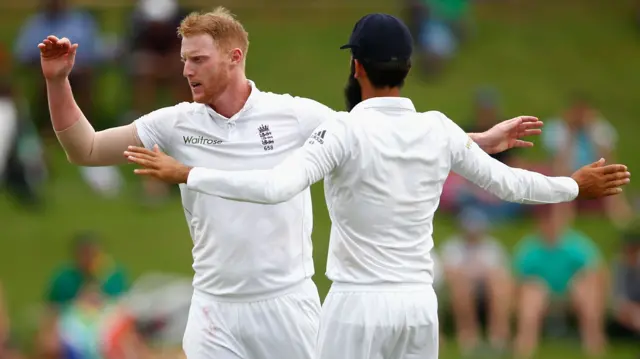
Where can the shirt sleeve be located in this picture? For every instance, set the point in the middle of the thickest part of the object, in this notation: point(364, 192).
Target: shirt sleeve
point(324, 151)
point(311, 114)
point(155, 128)
point(507, 183)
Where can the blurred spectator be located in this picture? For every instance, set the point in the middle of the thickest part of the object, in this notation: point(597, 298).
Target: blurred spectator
point(94, 326)
point(460, 193)
point(90, 265)
point(559, 268)
point(22, 167)
point(55, 17)
point(581, 136)
point(7, 348)
point(476, 270)
point(626, 283)
point(155, 65)
point(438, 26)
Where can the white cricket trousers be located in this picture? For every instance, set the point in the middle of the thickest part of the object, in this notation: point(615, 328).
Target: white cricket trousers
point(281, 327)
point(379, 322)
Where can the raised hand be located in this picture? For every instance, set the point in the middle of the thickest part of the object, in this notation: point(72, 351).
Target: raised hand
point(57, 57)
point(508, 134)
point(597, 180)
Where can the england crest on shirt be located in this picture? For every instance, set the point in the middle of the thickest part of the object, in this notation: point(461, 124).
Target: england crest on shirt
point(266, 137)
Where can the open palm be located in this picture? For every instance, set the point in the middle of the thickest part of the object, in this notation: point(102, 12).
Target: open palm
point(57, 57)
point(508, 134)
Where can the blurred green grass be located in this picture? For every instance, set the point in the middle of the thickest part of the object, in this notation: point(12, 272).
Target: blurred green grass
point(535, 53)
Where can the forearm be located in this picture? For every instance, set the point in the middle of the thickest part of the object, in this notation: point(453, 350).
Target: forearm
point(63, 108)
point(258, 186)
point(514, 184)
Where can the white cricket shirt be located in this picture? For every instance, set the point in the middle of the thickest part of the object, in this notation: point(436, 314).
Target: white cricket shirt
point(242, 249)
point(385, 166)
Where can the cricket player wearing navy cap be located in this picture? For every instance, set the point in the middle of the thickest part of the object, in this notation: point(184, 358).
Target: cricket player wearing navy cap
point(384, 166)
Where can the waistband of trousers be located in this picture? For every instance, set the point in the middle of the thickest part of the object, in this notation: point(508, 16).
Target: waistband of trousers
point(306, 285)
point(338, 287)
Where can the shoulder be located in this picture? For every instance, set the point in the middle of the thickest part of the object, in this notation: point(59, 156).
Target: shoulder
point(299, 105)
point(528, 244)
point(440, 121)
point(172, 113)
point(573, 236)
point(578, 240)
point(64, 275)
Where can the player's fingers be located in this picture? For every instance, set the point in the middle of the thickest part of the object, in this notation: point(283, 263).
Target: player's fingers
point(140, 150)
point(520, 143)
point(530, 120)
point(613, 169)
point(530, 125)
point(617, 176)
point(618, 183)
point(612, 191)
point(144, 172)
point(142, 162)
point(138, 156)
point(531, 132)
point(597, 163)
point(52, 38)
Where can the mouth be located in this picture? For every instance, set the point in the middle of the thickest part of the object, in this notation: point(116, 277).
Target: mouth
point(194, 85)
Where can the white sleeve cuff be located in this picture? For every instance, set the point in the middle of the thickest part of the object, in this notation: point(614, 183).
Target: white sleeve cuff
point(196, 177)
point(574, 188)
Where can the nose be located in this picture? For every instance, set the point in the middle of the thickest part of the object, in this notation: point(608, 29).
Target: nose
point(187, 71)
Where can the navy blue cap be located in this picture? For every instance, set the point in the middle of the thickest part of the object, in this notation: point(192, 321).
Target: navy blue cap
point(380, 37)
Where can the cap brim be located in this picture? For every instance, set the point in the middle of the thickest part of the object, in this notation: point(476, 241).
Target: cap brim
point(347, 46)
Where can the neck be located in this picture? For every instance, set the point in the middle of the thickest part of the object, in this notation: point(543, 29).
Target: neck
point(234, 97)
point(371, 92)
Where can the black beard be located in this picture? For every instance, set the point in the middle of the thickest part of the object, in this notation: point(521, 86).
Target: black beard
point(352, 92)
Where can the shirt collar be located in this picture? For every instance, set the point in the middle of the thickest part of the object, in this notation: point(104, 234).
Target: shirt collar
point(247, 105)
point(385, 102)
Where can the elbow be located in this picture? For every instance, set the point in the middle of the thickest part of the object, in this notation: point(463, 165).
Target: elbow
point(276, 192)
point(276, 197)
point(507, 193)
point(74, 160)
point(80, 160)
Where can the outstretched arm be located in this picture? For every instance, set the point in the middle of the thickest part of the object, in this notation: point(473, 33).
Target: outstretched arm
point(321, 154)
point(518, 185)
point(76, 135)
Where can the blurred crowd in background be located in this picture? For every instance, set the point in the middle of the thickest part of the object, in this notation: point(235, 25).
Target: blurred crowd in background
point(555, 282)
